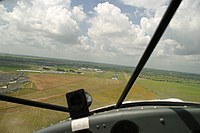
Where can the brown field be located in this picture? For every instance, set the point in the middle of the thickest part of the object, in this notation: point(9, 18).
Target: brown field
point(138, 92)
point(47, 81)
point(51, 88)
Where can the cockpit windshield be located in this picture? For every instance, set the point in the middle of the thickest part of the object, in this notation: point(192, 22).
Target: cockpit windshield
point(51, 47)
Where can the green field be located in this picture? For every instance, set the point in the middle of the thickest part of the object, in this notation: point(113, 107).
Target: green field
point(103, 89)
point(183, 91)
point(3, 69)
point(51, 88)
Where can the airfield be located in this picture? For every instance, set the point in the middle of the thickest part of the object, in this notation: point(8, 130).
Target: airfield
point(51, 88)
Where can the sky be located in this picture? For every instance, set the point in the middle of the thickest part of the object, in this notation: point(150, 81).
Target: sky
point(113, 31)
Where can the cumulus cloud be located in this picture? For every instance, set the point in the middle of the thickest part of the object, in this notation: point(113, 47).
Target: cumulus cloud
point(185, 26)
point(180, 42)
point(183, 32)
point(149, 4)
point(106, 34)
point(42, 23)
point(85, 43)
point(113, 32)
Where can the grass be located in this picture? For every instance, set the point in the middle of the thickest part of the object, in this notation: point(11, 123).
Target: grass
point(26, 119)
point(7, 69)
point(51, 88)
point(183, 91)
